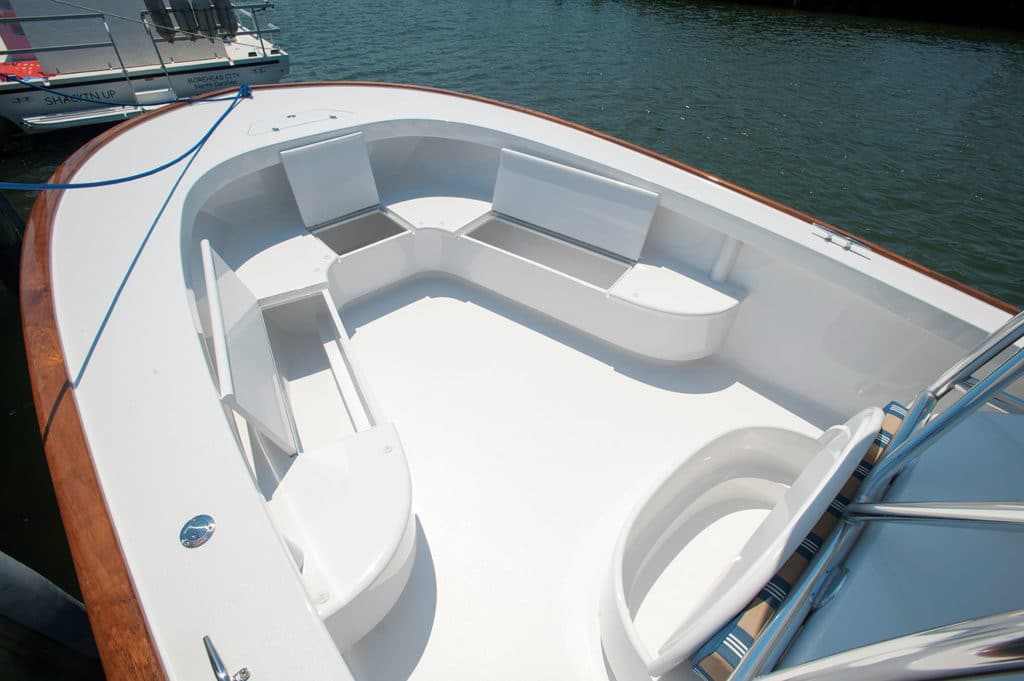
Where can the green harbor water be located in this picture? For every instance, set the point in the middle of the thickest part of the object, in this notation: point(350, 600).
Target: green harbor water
point(910, 135)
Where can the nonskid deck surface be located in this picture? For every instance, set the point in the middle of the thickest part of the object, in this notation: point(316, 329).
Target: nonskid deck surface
point(527, 443)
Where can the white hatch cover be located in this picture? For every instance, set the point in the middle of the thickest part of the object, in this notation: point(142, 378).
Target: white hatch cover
point(331, 179)
point(612, 215)
point(246, 371)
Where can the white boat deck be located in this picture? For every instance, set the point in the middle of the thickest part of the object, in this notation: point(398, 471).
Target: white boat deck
point(528, 443)
point(528, 440)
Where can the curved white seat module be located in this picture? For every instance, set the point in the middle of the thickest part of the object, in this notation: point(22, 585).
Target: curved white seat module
point(707, 538)
point(342, 502)
point(562, 241)
point(346, 513)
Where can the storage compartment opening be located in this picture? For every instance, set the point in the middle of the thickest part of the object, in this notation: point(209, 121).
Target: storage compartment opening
point(303, 337)
point(575, 261)
point(353, 234)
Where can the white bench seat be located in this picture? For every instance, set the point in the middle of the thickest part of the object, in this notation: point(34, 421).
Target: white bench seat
point(672, 292)
point(346, 511)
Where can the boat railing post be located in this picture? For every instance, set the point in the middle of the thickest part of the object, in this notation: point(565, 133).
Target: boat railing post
point(998, 341)
point(259, 31)
point(960, 375)
point(908, 444)
point(146, 17)
point(910, 448)
point(983, 646)
point(117, 53)
point(773, 640)
point(1003, 515)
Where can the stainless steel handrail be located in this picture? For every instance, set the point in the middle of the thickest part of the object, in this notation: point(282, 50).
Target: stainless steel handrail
point(913, 446)
point(111, 43)
point(1004, 400)
point(56, 48)
point(259, 32)
point(989, 645)
point(52, 17)
point(964, 370)
point(909, 443)
point(1002, 514)
point(999, 340)
point(768, 647)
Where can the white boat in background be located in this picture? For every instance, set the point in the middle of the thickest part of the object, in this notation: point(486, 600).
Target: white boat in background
point(395, 383)
point(103, 61)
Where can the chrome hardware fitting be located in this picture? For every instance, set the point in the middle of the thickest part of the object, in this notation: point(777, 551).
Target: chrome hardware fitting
point(197, 531)
point(219, 668)
point(843, 241)
point(830, 587)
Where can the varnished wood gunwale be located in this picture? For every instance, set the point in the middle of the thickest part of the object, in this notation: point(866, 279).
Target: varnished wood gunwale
point(122, 635)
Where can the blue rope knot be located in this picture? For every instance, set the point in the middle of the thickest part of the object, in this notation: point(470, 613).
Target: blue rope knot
point(245, 91)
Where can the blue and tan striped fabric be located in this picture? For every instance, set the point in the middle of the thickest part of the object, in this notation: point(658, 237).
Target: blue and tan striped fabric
point(716, 659)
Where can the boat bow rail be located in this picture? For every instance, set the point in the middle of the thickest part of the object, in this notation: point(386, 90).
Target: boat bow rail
point(675, 324)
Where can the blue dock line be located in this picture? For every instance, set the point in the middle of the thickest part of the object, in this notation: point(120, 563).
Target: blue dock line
point(244, 92)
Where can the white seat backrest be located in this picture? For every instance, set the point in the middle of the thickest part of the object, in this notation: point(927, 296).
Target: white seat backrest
point(612, 215)
point(246, 372)
point(777, 537)
point(331, 179)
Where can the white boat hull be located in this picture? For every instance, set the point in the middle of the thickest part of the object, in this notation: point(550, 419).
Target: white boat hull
point(35, 110)
point(345, 262)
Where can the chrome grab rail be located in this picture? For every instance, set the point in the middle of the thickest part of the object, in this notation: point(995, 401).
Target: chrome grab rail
point(999, 340)
point(1002, 514)
point(769, 645)
point(989, 645)
point(55, 48)
point(908, 444)
point(52, 17)
point(960, 373)
point(1011, 404)
point(912, 446)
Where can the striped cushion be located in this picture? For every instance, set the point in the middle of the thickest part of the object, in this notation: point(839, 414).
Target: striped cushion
point(716, 659)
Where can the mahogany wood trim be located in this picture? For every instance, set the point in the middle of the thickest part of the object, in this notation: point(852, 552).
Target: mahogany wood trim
point(122, 635)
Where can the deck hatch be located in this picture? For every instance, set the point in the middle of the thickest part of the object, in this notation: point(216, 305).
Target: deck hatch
point(611, 215)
